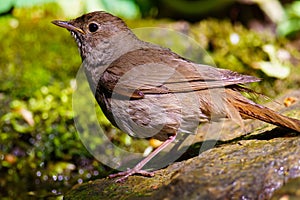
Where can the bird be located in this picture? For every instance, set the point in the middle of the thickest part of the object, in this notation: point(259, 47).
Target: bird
point(149, 91)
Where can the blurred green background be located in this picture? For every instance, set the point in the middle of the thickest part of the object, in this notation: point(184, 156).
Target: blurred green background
point(41, 155)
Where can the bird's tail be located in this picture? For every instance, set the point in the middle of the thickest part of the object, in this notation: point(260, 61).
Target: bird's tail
point(249, 109)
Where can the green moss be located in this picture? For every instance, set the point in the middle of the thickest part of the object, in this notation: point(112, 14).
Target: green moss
point(34, 54)
point(234, 47)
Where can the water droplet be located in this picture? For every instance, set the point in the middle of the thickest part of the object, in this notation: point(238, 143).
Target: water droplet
point(45, 177)
point(60, 177)
point(80, 181)
point(234, 38)
point(95, 173)
point(88, 175)
point(38, 173)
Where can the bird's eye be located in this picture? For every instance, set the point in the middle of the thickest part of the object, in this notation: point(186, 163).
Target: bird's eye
point(93, 27)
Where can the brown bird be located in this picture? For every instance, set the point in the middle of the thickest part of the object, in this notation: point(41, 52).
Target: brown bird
point(149, 91)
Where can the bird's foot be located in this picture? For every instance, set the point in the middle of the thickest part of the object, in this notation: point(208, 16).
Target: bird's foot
point(138, 168)
point(124, 175)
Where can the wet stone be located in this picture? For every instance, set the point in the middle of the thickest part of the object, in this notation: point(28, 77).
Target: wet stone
point(253, 165)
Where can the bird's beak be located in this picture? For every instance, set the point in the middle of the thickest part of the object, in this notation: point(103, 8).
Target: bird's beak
point(68, 26)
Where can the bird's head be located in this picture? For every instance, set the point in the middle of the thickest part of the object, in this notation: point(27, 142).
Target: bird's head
point(92, 29)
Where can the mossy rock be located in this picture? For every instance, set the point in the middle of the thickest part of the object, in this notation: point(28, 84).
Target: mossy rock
point(250, 166)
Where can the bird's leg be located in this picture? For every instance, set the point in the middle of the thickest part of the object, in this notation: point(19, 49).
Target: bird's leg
point(138, 168)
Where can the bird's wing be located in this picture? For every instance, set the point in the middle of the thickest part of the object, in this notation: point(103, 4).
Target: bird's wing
point(160, 71)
